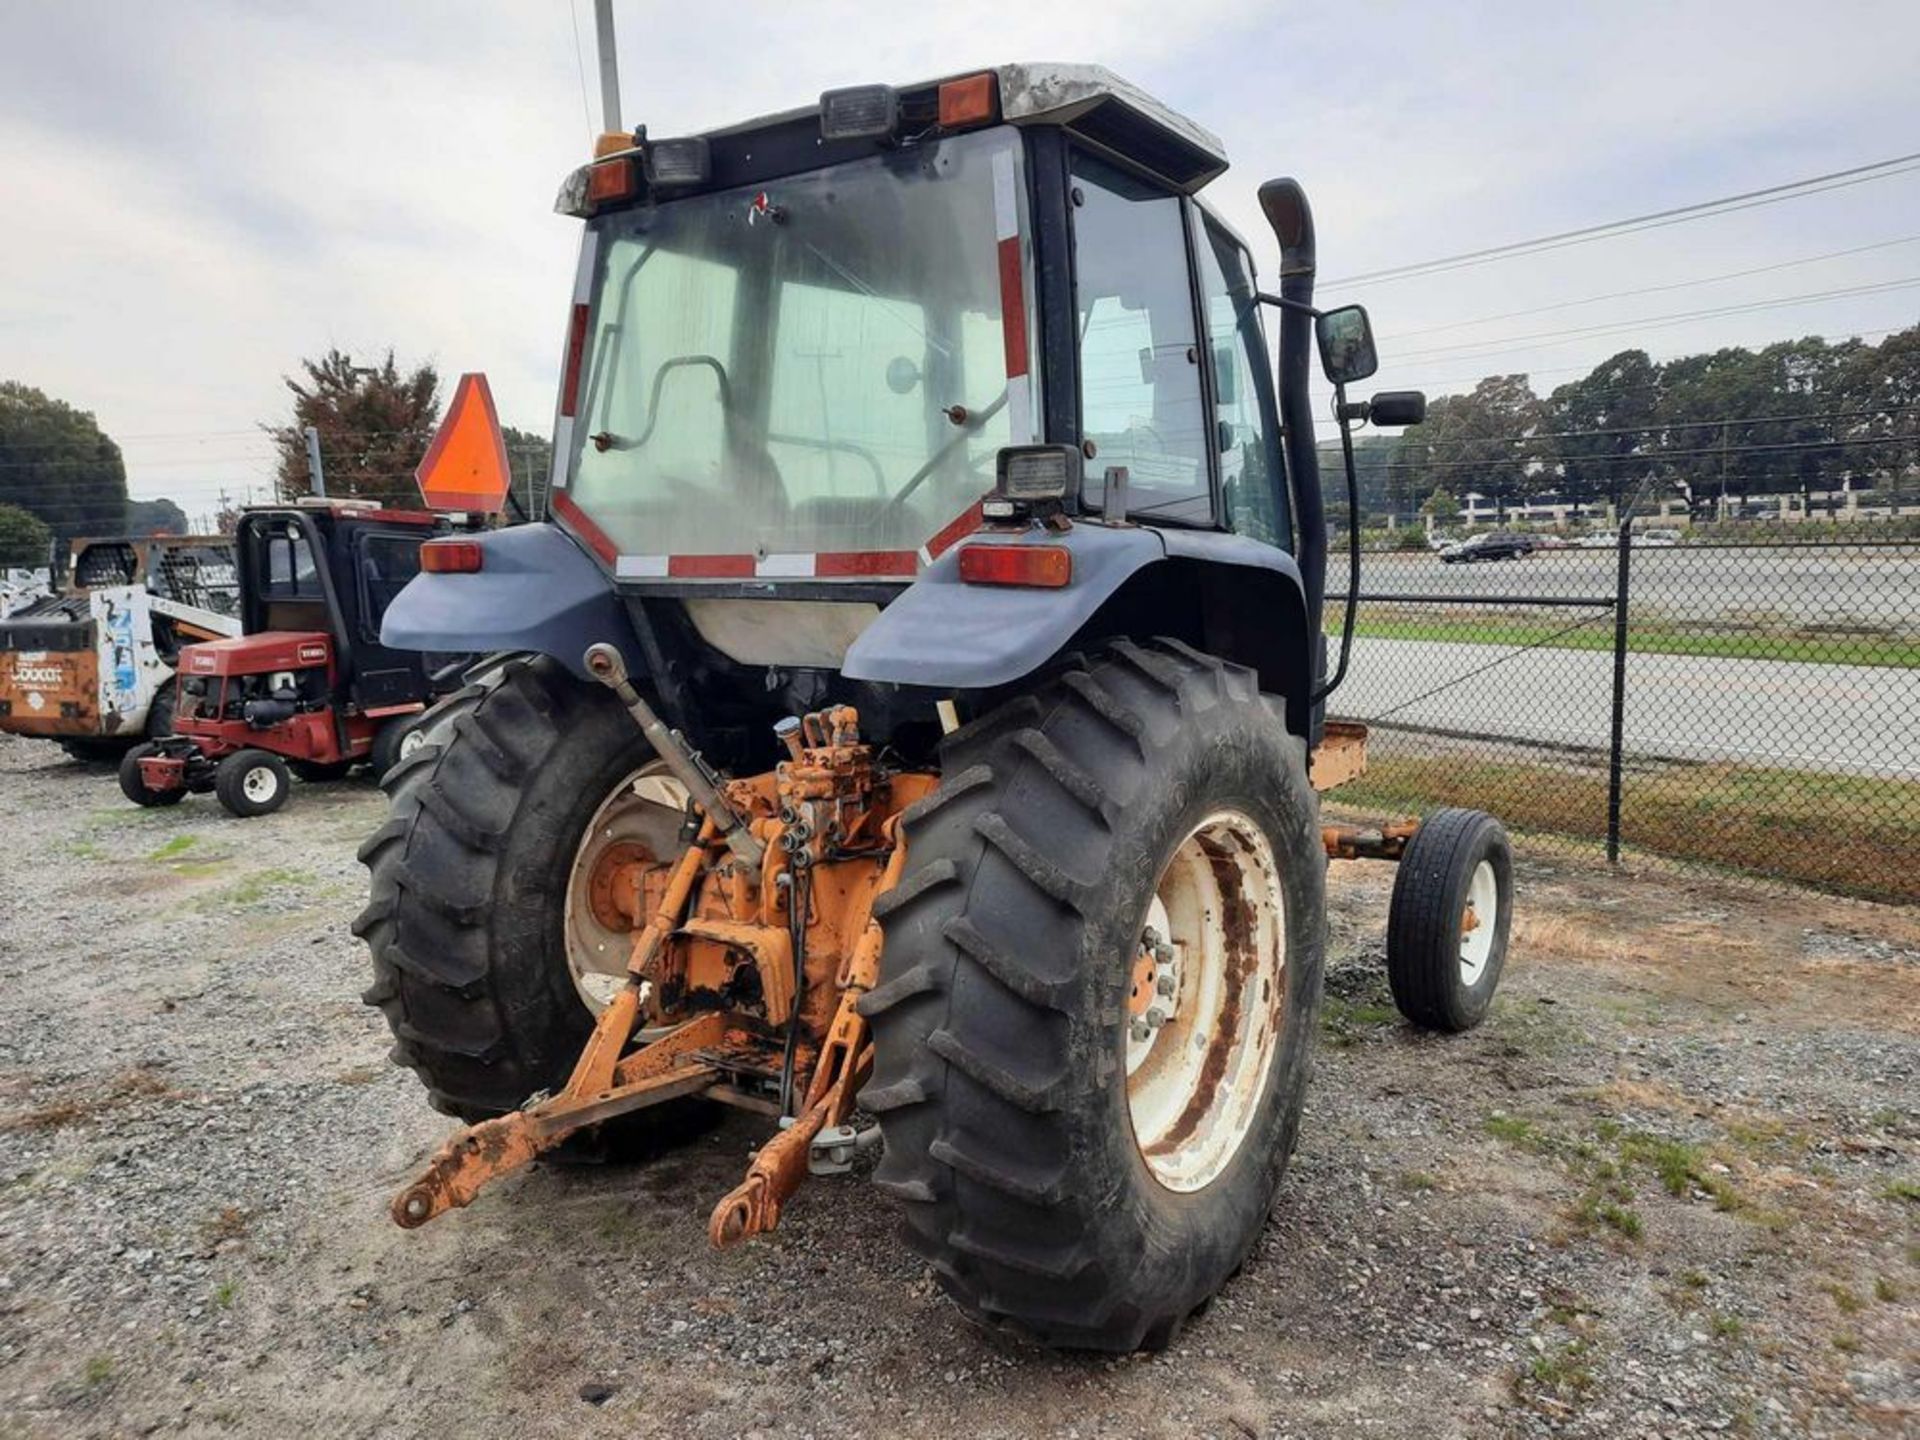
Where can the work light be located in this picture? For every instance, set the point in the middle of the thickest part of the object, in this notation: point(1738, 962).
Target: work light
point(1027, 473)
point(859, 112)
point(678, 162)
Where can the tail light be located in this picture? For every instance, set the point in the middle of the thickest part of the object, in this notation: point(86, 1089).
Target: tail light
point(1046, 566)
point(610, 180)
point(451, 557)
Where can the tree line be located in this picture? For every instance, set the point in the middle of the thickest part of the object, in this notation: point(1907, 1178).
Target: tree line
point(1804, 417)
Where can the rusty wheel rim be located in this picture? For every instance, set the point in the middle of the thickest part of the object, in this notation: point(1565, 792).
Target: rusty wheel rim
point(644, 809)
point(1478, 923)
point(1196, 1074)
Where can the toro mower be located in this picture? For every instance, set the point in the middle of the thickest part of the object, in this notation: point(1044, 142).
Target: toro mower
point(307, 688)
point(916, 711)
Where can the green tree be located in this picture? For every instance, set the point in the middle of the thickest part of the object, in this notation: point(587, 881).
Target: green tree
point(1486, 441)
point(529, 462)
point(1615, 408)
point(155, 517)
point(1443, 509)
point(57, 463)
point(375, 424)
point(25, 541)
point(1884, 380)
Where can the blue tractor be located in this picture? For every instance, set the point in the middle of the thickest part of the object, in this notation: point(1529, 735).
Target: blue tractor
point(909, 726)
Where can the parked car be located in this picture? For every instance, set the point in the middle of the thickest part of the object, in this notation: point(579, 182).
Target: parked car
point(1657, 539)
point(1494, 546)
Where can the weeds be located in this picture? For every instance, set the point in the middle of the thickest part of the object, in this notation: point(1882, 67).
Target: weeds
point(177, 846)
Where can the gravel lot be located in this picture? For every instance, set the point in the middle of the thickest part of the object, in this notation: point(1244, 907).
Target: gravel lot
point(1669, 1189)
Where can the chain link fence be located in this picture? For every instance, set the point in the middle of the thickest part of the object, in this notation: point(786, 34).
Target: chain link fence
point(1753, 705)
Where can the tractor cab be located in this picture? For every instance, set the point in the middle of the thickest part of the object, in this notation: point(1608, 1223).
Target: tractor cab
point(308, 685)
point(828, 369)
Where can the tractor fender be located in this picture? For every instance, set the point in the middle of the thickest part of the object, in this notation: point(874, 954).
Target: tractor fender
point(536, 591)
point(950, 635)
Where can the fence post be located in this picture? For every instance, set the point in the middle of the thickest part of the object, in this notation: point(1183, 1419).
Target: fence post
point(1621, 594)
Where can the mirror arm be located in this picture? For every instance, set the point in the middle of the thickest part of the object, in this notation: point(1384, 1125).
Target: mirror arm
point(1267, 297)
point(1343, 412)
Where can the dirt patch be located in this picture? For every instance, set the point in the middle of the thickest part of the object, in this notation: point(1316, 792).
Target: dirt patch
point(1669, 1188)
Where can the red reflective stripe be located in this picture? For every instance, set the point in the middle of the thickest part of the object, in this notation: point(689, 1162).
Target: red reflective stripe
point(710, 567)
point(576, 346)
point(562, 505)
point(957, 530)
point(1013, 307)
point(867, 562)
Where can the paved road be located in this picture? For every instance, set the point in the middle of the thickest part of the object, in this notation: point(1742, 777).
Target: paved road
point(1804, 586)
point(1852, 718)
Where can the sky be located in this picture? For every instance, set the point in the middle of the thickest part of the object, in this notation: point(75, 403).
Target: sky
point(198, 193)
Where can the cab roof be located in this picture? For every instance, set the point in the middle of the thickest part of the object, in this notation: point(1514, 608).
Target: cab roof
point(1088, 100)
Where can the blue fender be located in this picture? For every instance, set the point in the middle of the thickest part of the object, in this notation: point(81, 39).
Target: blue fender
point(536, 590)
point(954, 636)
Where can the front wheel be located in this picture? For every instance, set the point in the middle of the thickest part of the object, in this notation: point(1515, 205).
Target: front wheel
point(1098, 993)
point(252, 782)
point(133, 784)
point(1448, 921)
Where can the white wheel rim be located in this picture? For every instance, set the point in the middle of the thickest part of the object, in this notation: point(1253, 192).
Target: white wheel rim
point(260, 784)
point(645, 808)
point(1195, 1080)
point(1478, 923)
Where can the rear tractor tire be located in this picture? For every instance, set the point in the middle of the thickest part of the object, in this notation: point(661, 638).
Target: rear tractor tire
point(1447, 924)
point(252, 783)
point(485, 962)
point(1098, 996)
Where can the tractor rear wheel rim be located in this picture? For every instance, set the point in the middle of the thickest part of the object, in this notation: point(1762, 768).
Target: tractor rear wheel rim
point(646, 807)
point(260, 784)
point(1196, 1080)
point(1477, 923)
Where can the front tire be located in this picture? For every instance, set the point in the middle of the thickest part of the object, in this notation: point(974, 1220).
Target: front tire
point(134, 785)
point(1051, 1189)
point(467, 915)
point(1448, 921)
point(252, 783)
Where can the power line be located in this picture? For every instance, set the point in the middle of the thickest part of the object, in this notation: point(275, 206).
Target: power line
point(1652, 322)
point(1653, 220)
point(1653, 289)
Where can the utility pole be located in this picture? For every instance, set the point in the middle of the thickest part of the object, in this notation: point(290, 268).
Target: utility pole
point(609, 67)
point(316, 475)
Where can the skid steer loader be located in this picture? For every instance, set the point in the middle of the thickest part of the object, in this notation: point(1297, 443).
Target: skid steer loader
point(916, 708)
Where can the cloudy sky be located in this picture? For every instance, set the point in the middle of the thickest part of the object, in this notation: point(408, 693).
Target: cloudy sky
point(196, 193)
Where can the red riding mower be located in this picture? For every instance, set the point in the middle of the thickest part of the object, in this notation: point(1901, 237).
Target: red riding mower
point(307, 689)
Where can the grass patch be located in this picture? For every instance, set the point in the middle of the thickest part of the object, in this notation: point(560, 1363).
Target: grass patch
point(1675, 1162)
point(1644, 637)
point(90, 1103)
point(1417, 1181)
point(85, 850)
point(1846, 1342)
point(1344, 1021)
point(1884, 1290)
point(1727, 1326)
point(252, 889)
point(1797, 825)
point(225, 1293)
point(99, 1370)
point(1564, 1368)
point(1907, 1190)
point(174, 848)
point(1519, 1133)
point(1844, 1299)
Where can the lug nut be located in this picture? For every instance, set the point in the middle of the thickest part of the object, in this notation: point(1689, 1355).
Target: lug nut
point(1140, 1030)
point(1163, 952)
point(1155, 1019)
point(1165, 986)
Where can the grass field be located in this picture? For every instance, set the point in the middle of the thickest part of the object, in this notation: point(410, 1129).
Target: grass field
point(1850, 834)
point(1645, 637)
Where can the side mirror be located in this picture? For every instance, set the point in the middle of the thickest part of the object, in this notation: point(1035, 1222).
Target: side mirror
point(1347, 353)
point(1397, 407)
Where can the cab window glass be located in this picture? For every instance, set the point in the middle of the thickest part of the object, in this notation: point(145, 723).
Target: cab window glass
point(1247, 431)
point(1140, 401)
point(387, 563)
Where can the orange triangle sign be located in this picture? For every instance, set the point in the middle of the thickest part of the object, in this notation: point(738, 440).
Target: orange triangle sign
point(466, 466)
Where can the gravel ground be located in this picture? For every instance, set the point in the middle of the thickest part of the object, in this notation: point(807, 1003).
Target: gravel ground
point(1669, 1189)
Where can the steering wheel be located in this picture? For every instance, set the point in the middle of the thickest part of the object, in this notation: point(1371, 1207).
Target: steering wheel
point(975, 419)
